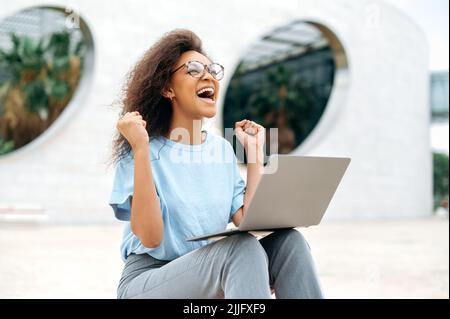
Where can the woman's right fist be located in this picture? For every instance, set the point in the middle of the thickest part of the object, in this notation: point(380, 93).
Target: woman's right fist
point(132, 127)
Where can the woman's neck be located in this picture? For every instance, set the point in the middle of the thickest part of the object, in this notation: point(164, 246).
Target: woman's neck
point(186, 130)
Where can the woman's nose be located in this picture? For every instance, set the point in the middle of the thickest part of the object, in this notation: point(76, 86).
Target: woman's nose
point(208, 76)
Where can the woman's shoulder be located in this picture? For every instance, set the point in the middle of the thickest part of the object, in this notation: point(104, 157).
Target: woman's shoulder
point(127, 159)
point(215, 138)
point(155, 145)
point(224, 147)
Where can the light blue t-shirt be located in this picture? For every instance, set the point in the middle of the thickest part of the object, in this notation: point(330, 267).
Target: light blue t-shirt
point(199, 189)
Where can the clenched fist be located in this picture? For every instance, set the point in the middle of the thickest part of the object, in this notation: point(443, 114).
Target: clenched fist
point(132, 127)
point(250, 133)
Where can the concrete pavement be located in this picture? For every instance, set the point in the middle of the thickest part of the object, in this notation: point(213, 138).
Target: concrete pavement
point(357, 259)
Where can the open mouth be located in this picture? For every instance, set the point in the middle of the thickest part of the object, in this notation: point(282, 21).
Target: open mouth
point(206, 95)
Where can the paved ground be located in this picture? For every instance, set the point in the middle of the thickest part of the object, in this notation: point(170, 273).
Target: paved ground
point(365, 259)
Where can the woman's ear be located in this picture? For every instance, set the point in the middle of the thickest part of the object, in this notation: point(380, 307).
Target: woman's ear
point(167, 93)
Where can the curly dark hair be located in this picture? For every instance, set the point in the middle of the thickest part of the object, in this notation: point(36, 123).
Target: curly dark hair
point(146, 81)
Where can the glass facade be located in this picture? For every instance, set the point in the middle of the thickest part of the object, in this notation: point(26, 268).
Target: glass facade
point(439, 97)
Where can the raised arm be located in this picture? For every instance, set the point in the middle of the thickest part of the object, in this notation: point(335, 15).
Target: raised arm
point(146, 218)
point(252, 136)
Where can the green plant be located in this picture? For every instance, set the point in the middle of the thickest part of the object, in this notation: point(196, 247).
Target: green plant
point(6, 147)
point(276, 99)
point(440, 178)
point(40, 77)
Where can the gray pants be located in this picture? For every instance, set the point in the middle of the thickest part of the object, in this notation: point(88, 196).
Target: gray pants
point(238, 266)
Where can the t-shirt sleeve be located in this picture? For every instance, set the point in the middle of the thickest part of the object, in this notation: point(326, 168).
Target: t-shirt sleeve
point(122, 190)
point(238, 190)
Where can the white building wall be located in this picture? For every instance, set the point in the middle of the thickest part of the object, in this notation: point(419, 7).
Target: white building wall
point(383, 124)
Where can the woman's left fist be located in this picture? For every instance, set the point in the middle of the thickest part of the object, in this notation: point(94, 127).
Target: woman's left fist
point(250, 133)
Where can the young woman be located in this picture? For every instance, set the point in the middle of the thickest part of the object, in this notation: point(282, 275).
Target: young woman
point(169, 189)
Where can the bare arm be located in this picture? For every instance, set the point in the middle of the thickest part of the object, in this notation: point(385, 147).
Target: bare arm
point(146, 217)
point(253, 143)
point(254, 173)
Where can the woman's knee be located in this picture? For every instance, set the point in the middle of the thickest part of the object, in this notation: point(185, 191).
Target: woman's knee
point(247, 246)
point(293, 238)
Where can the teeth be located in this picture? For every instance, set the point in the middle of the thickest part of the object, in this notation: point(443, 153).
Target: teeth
point(205, 89)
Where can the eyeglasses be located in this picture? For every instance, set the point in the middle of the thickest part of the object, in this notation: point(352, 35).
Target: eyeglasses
point(197, 69)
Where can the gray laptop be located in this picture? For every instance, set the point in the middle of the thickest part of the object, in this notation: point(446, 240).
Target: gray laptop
point(294, 191)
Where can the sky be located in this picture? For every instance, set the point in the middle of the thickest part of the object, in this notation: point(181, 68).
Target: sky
point(433, 18)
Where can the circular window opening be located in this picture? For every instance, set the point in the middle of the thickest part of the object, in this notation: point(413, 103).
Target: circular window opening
point(284, 82)
point(43, 53)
